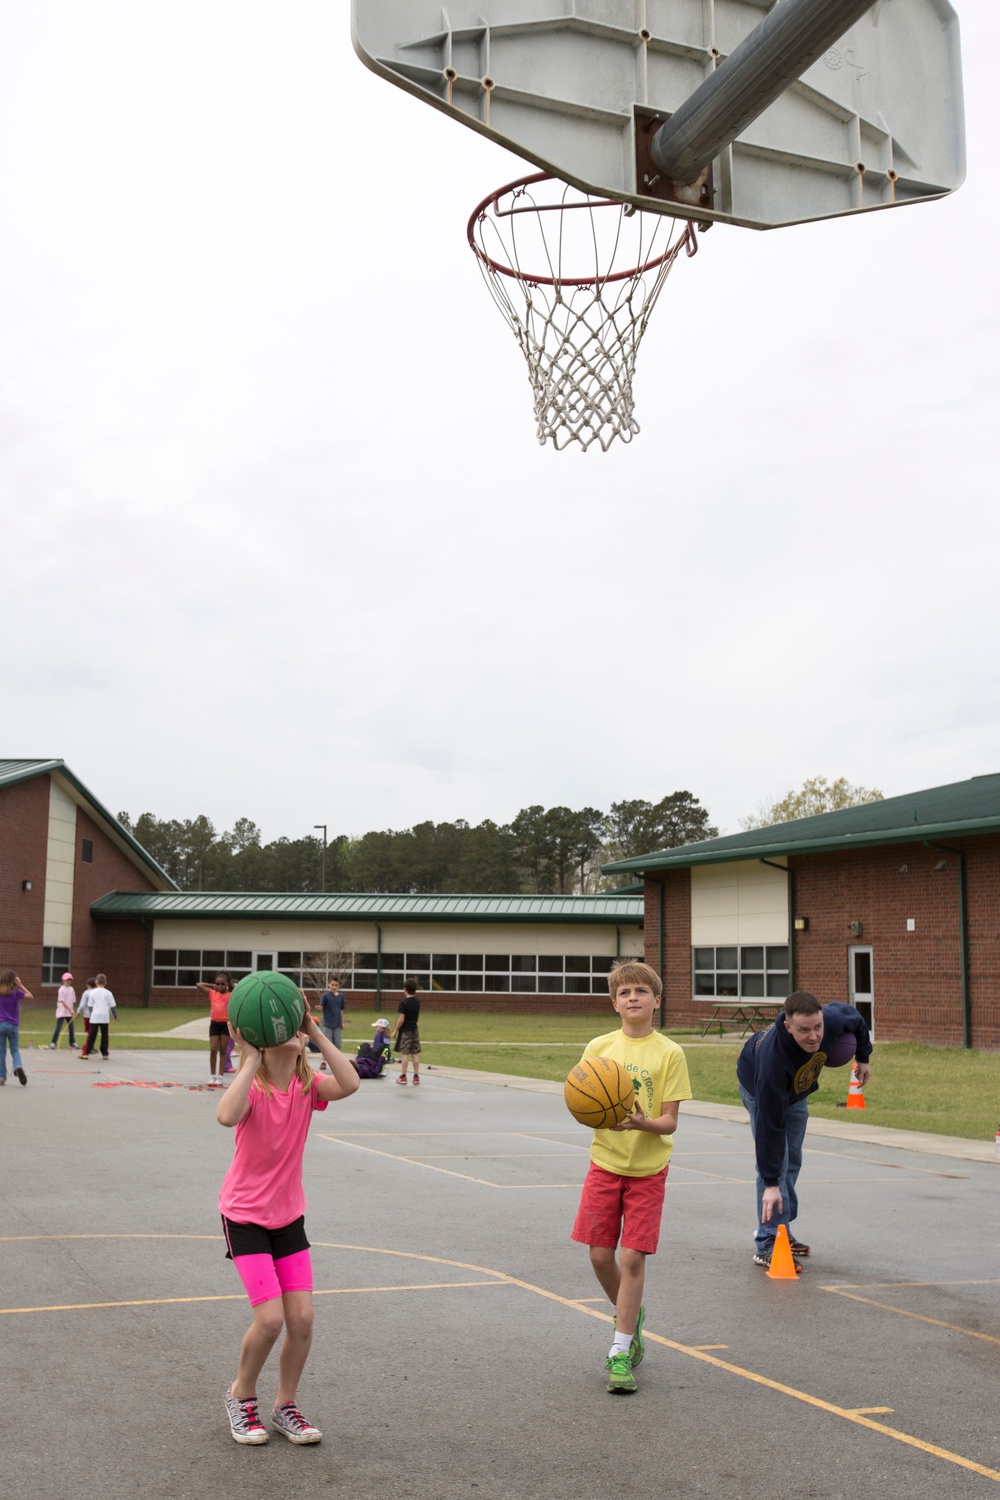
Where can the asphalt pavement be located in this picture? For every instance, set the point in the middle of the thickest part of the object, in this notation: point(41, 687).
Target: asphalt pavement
point(460, 1333)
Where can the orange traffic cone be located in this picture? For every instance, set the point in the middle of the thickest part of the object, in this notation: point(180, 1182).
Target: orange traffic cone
point(855, 1093)
point(783, 1267)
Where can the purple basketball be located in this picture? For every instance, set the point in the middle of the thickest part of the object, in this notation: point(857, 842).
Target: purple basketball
point(844, 1050)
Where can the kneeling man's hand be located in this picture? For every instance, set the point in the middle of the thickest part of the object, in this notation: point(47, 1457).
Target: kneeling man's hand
point(770, 1201)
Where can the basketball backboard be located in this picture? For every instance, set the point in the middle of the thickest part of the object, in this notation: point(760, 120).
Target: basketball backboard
point(579, 87)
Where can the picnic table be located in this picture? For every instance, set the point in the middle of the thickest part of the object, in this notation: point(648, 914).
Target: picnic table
point(745, 1015)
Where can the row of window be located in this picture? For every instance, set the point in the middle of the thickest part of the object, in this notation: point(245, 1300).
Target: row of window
point(503, 973)
point(410, 963)
point(752, 972)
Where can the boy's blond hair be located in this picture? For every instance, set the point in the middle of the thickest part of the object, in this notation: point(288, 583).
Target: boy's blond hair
point(633, 972)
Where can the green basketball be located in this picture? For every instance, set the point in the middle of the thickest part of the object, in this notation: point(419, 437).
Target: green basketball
point(267, 1009)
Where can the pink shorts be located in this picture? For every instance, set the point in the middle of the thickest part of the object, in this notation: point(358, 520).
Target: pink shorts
point(267, 1279)
point(613, 1206)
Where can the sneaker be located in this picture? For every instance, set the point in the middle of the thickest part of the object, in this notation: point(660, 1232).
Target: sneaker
point(244, 1420)
point(416, 1078)
point(401, 1078)
point(799, 1250)
point(620, 1378)
point(21, 1076)
point(74, 1046)
point(764, 1259)
point(289, 1420)
point(52, 1046)
point(637, 1348)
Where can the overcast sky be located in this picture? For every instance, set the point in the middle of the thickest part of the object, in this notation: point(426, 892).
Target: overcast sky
point(280, 541)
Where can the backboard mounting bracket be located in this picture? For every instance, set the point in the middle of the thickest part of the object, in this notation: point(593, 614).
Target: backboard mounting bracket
point(650, 181)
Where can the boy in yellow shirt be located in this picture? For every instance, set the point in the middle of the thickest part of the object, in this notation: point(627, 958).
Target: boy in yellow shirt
point(623, 1191)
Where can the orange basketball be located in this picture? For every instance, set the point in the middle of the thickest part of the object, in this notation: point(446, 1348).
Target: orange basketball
point(599, 1093)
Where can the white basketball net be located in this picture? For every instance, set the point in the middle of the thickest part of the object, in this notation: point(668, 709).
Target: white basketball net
point(576, 278)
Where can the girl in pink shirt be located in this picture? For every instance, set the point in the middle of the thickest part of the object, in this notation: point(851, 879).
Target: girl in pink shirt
point(65, 1011)
point(262, 1202)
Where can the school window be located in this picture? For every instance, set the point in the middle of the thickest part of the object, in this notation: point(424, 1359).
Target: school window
point(183, 968)
point(472, 973)
point(55, 962)
point(87, 851)
point(738, 972)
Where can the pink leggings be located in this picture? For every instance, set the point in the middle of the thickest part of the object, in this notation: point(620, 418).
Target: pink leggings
point(266, 1278)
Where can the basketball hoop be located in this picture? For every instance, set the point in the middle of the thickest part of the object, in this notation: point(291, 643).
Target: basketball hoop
point(589, 270)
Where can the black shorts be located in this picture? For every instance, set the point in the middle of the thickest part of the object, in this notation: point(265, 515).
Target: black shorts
point(254, 1239)
point(218, 1028)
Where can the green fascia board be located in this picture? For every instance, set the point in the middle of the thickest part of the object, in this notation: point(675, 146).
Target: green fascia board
point(12, 771)
point(302, 907)
point(965, 808)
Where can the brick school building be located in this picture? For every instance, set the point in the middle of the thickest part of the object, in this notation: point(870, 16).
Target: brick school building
point(893, 906)
point(77, 892)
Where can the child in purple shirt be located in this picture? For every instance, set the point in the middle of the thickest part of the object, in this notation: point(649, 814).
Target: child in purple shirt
point(12, 992)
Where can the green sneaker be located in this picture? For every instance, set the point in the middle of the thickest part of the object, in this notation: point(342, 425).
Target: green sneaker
point(637, 1348)
point(620, 1378)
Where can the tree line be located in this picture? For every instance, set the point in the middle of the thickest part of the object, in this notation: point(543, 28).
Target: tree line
point(554, 850)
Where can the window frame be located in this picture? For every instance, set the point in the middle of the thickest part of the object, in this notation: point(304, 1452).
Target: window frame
point(770, 974)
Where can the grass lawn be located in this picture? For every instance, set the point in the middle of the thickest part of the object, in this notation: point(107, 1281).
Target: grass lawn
point(37, 1025)
point(945, 1090)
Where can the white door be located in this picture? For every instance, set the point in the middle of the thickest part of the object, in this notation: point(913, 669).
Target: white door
point(265, 961)
point(859, 961)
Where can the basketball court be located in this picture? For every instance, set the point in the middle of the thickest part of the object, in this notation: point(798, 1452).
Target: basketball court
point(460, 1333)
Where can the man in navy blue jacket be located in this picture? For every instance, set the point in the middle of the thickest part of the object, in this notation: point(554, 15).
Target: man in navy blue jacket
point(777, 1071)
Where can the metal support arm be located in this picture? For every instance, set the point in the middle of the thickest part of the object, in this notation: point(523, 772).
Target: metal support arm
point(793, 36)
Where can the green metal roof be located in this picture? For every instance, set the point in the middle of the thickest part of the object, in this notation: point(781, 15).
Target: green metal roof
point(331, 907)
point(13, 771)
point(959, 809)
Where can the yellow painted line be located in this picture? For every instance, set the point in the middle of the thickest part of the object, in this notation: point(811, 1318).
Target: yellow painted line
point(844, 1181)
point(485, 1156)
point(418, 1286)
point(855, 1416)
point(138, 1302)
point(500, 1278)
point(872, 1411)
point(845, 1413)
point(676, 1166)
point(892, 1166)
point(336, 1291)
point(870, 1286)
point(6, 1239)
point(702, 1348)
point(904, 1312)
point(415, 1161)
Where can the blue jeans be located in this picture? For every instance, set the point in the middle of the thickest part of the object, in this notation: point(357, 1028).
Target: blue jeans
point(8, 1035)
point(796, 1120)
point(62, 1021)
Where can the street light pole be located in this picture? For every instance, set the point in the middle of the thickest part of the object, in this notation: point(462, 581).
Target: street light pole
point(323, 881)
